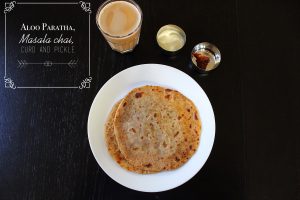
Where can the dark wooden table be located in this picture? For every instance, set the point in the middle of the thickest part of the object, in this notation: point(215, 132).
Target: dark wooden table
point(44, 148)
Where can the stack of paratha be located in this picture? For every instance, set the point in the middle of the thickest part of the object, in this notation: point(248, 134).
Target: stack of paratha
point(152, 129)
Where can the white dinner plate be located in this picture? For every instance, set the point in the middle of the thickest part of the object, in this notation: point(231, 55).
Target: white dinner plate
point(115, 89)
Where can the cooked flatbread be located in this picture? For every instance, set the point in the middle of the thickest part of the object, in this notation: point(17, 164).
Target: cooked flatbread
point(112, 145)
point(156, 128)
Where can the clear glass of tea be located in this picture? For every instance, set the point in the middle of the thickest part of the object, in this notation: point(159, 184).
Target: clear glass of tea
point(120, 23)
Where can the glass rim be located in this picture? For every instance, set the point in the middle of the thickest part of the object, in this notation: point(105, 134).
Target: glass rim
point(123, 36)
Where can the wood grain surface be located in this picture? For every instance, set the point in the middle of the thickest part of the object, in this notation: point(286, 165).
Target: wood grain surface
point(44, 149)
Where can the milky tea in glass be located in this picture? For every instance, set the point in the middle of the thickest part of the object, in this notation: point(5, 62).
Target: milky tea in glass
point(120, 23)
